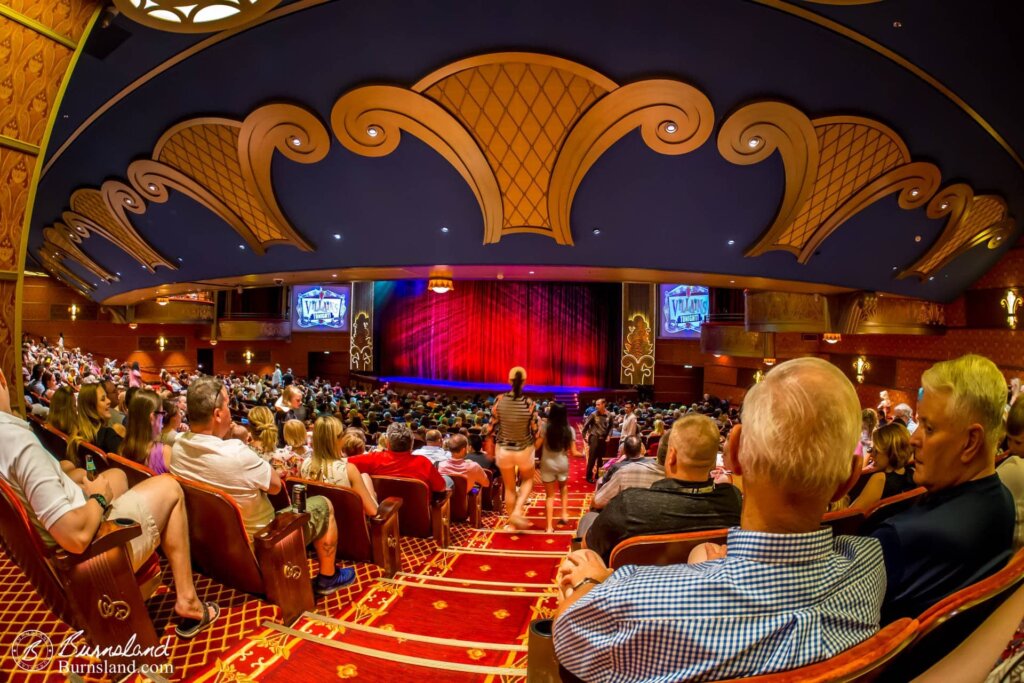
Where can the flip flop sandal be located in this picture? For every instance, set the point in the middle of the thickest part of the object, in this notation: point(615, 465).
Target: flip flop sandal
point(190, 628)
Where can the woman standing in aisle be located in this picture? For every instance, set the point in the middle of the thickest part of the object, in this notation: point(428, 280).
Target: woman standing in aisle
point(558, 441)
point(514, 428)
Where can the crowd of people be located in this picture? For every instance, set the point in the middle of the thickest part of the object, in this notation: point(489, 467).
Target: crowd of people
point(781, 593)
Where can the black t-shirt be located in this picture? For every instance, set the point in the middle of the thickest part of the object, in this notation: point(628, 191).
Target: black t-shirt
point(945, 542)
point(482, 460)
point(670, 506)
point(896, 484)
point(107, 440)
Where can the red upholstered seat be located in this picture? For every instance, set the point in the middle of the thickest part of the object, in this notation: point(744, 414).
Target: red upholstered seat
point(54, 440)
point(887, 507)
point(420, 515)
point(662, 549)
point(465, 505)
point(844, 522)
point(135, 472)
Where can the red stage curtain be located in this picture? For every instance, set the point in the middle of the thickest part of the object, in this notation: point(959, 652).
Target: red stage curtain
point(559, 332)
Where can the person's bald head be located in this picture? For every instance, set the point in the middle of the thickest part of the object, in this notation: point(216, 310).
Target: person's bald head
point(433, 437)
point(693, 443)
point(457, 445)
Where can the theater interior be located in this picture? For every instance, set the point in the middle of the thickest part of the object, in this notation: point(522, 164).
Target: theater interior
point(654, 201)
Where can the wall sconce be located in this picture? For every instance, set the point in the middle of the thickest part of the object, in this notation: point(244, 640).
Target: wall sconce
point(248, 357)
point(161, 342)
point(213, 342)
point(440, 285)
point(860, 367)
point(162, 300)
point(73, 310)
point(133, 326)
point(1011, 302)
point(758, 376)
point(769, 362)
point(831, 338)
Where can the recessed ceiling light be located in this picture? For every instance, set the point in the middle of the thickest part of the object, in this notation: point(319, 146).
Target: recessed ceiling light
point(917, 238)
point(914, 192)
point(597, 231)
point(755, 142)
point(897, 24)
point(895, 268)
point(241, 246)
point(444, 228)
point(671, 127)
point(144, 268)
point(931, 278)
point(129, 201)
point(944, 205)
point(732, 282)
point(296, 142)
point(181, 260)
point(334, 275)
point(731, 242)
point(117, 274)
point(337, 235)
point(151, 187)
point(373, 131)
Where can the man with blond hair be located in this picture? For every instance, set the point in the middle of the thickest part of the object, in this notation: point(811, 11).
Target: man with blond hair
point(962, 530)
point(687, 499)
point(785, 595)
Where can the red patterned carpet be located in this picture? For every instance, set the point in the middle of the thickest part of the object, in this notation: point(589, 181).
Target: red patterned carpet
point(458, 614)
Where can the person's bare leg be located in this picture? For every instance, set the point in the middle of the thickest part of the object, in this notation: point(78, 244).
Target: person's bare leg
point(508, 476)
point(166, 502)
point(549, 503)
point(564, 489)
point(116, 478)
point(327, 545)
point(525, 487)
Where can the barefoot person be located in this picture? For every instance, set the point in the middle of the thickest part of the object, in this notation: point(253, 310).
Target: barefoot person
point(514, 425)
point(559, 442)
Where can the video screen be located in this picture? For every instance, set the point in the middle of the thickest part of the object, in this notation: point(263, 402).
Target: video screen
point(317, 308)
point(684, 308)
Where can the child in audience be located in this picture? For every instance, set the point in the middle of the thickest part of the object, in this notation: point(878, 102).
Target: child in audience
point(329, 466)
point(145, 424)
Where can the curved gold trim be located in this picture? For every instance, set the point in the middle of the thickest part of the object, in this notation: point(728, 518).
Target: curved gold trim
point(20, 145)
point(369, 121)
point(538, 58)
point(61, 238)
point(278, 13)
point(40, 28)
point(895, 57)
point(673, 117)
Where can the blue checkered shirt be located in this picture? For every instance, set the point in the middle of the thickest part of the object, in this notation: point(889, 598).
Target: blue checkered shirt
point(776, 602)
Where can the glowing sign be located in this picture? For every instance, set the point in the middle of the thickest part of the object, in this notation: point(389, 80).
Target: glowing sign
point(684, 308)
point(321, 308)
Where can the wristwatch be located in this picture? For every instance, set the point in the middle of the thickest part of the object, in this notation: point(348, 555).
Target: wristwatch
point(584, 582)
point(99, 498)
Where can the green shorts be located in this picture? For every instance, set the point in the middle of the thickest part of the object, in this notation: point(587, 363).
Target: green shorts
point(319, 510)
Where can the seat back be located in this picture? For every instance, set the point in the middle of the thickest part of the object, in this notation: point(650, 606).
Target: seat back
point(353, 532)
point(216, 531)
point(134, 471)
point(862, 481)
point(414, 515)
point(54, 440)
point(887, 507)
point(844, 522)
point(948, 622)
point(26, 548)
point(460, 498)
point(662, 549)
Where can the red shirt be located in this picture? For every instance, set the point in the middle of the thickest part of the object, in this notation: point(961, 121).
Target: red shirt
point(390, 464)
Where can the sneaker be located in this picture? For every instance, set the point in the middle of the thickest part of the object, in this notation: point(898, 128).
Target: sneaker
point(325, 585)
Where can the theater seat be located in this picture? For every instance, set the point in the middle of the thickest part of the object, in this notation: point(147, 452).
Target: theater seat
point(662, 549)
point(494, 496)
point(844, 522)
point(420, 515)
point(465, 504)
point(274, 565)
point(854, 664)
point(99, 457)
point(361, 538)
point(135, 472)
point(95, 591)
point(887, 507)
point(54, 440)
point(948, 622)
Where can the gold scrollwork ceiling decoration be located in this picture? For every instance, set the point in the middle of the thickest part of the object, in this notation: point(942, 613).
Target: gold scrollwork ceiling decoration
point(522, 129)
point(973, 220)
point(61, 239)
point(835, 167)
point(52, 261)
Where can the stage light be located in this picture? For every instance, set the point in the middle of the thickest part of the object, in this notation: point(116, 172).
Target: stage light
point(440, 285)
point(162, 300)
point(831, 338)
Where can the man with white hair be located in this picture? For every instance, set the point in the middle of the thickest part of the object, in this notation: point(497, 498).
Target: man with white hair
point(787, 593)
point(905, 414)
point(962, 530)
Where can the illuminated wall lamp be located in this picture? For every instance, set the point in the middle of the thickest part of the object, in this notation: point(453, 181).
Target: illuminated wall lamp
point(73, 310)
point(860, 367)
point(758, 376)
point(161, 342)
point(1011, 302)
point(248, 355)
point(213, 342)
point(769, 362)
point(831, 338)
point(133, 326)
point(440, 285)
point(162, 301)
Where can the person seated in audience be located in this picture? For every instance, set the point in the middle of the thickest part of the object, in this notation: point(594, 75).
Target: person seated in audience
point(868, 425)
point(786, 594)
point(264, 431)
point(654, 438)
point(117, 416)
point(635, 472)
point(480, 457)
point(398, 461)
point(1010, 470)
point(891, 451)
point(905, 415)
point(287, 407)
point(203, 455)
point(962, 530)
point(687, 499)
point(145, 424)
point(434, 448)
point(288, 460)
point(91, 425)
point(172, 422)
point(458, 464)
point(632, 452)
point(68, 514)
point(62, 414)
point(328, 464)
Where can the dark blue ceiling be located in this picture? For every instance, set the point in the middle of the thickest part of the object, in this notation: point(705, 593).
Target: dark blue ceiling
point(654, 211)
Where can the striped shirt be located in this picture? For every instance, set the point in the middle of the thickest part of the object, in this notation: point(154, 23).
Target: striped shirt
point(515, 421)
point(775, 602)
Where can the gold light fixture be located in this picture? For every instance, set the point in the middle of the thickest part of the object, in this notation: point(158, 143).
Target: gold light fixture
point(162, 300)
point(440, 285)
point(248, 357)
point(213, 342)
point(860, 367)
point(73, 310)
point(758, 376)
point(133, 326)
point(769, 362)
point(1011, 302)
point(831, 338)
point(161, 342)
point(201, 16)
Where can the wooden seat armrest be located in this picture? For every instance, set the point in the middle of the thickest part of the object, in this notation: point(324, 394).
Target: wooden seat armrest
point(439, 501)
point(440, 520)
point(473, 503)
point(110, 535)
point(281, 526)
point(386, 510)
